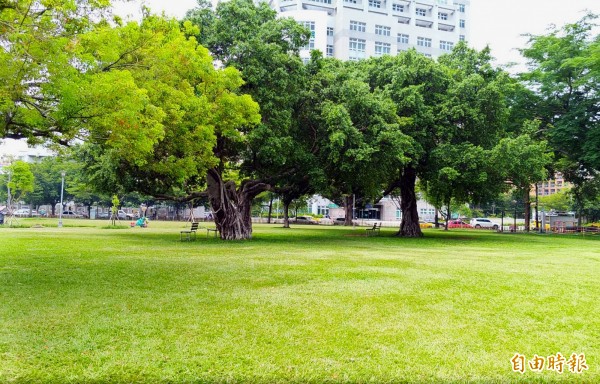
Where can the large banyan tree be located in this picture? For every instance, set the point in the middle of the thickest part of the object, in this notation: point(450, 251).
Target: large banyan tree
point(215, 144)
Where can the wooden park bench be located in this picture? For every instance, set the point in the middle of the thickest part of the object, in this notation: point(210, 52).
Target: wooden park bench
point(189, 232)
point(373, 230)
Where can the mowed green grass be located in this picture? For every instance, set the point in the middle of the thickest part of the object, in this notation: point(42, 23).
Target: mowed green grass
point(303, 305)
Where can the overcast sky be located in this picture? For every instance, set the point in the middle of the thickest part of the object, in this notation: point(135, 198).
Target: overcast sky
point(498, 24)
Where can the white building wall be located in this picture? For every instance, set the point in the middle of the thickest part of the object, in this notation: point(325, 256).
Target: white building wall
point(443, 22)
point(317, 204)
point(388, 207)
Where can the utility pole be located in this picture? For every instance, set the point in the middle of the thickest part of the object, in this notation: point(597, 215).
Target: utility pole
point(62, 187)
point(8, 199)
point(537, 203)
point(353, 209)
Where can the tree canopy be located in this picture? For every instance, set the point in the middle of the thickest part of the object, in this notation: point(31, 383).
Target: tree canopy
point(221, 106)
point(59, 83)
point(564, 72)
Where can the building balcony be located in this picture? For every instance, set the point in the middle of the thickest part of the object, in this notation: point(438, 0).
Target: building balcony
point(423, 23)
point(318, 3)
point(446, 27)
point(403, 20)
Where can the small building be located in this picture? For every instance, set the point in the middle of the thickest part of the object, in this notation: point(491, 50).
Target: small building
point(386, 209)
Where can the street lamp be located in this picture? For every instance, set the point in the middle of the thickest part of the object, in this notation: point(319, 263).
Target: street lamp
point(537, 207)
point(62, 188)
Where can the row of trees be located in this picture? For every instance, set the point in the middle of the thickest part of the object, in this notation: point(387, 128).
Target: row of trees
point(39, 184)
point(220, 106)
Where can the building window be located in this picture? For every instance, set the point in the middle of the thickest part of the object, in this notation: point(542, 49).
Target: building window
point(427, 54)
point(310, 46)
point(421, 12)
point(461, 8)
point(423, 42)
point(330, 51)
point(461, 38)
point(442, 16)
point(357, 48)
point(461, 23)
point(382, 48)
point(322, 1)
point(383, 30)
point(375, 3)
point(322, 210)
point(397, 7)
point(358, 26)
point(329, 31)
point(402, 38)
point(351, 1)
point(398, 214)
point(426, 212)
point(446, 45)
point(310, 25)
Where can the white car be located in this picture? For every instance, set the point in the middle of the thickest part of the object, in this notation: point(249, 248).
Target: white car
point(304, 220)
point(23, 212)
point(71, 214)
point(479, 222)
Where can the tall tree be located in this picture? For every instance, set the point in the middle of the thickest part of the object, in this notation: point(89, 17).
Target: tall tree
point(522, 161)
point(564, 70)
point(462, 100)
point(19, 182)
point(47, 181)
point(206, 117)
point(264, 49)
point(360, 139)
point(460, 173)
point(418, 86)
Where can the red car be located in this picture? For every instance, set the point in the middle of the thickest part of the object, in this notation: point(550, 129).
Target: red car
point(458, 224)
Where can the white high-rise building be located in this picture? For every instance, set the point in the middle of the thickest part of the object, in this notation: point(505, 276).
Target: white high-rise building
point(357, 29)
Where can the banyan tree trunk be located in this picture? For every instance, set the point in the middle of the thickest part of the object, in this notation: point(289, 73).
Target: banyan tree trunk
point(270, 209)
point(348, 207)
point(286, 213)
point(409, 227)
point(232, 206)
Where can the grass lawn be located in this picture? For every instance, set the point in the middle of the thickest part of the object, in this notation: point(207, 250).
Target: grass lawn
point(86, 304)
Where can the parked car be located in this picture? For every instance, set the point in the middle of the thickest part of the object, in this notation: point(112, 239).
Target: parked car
point(304, 220)
point(23, 212)
point(339, 221)
point(103, 215)
point(122, 215)
point(458, 224)
point(424, 224)
point(479, 222)
point(71, 214)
